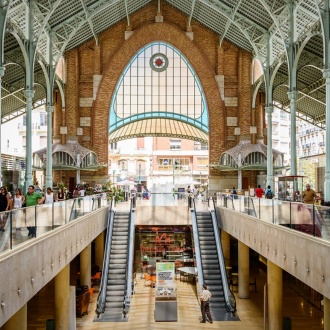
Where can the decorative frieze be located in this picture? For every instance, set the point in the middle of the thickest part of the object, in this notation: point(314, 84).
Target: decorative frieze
point(220, 79)
point(231, 121)
point(128, 34)
point(96, 83)
point(85, 121)
point(253, 130)
point(159, 18)
point(190, 35)
point(86, 102)
point(231, 101)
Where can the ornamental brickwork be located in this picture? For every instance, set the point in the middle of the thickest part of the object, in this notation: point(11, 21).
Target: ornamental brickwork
point(93, 72)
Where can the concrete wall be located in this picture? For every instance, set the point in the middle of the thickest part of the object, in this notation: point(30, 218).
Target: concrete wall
point(301, 255)
point(30, 266)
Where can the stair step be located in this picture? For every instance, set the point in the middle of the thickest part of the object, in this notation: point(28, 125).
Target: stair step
point(121, 281)
point(115, 293)
point(116, 287)
point(116, 304)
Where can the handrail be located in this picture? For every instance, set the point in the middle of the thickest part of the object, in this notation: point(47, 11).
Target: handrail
point(197, 244)
point(130, 258)
point(46, 217)
point(100, 306)
point(306, 218)
point(229, 296)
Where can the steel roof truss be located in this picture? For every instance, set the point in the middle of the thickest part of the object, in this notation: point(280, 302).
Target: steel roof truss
point(89, 21)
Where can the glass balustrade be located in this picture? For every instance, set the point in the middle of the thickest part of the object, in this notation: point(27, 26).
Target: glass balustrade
point(38, 220)
point(307, 218)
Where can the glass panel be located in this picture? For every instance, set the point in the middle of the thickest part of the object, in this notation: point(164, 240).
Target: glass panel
point(141, 79)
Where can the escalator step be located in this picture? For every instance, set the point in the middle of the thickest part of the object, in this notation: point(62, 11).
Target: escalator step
point(115, 293)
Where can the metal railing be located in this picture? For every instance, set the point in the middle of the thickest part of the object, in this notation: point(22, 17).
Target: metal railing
point(307, 218)
point(230, 300)
point(229, 296)
point(130, 257)
point(16, 224)
point(101, 299)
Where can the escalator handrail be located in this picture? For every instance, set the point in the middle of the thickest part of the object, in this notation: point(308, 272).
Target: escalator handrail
point(72, 209)
point(197, 244)
point(130, 257)
point(230, 306)
point(254, 209)
point(100, 306)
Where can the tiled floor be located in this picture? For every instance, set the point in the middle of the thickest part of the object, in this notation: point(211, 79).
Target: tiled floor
point(250, 311)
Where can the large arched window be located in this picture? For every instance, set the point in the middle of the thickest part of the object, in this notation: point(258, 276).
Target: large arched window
point(158, 82)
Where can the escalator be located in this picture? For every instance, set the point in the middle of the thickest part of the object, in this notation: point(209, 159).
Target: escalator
point(116, 284)
point(211, 267)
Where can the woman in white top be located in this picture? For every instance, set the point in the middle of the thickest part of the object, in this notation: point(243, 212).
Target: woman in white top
point(49, 196)
point(18, 203)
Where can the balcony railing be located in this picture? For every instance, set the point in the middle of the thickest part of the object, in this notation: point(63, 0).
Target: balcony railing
point(43, 218)
point(308, 218)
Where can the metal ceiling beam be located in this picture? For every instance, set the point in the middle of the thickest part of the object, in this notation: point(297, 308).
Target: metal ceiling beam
point(127, 15)
point(191, 12)
point(65, 31)
point(254, 33)
point(90, 21)
point(228, 23)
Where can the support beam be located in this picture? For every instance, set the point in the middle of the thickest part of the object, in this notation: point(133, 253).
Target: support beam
point(293, 150)
point(275, 296)
point(326, 313)
point(326, 76)
point(62, 299)
point(292, 94)
point(85, 266)
point(18, 320)
point(2, 72)
point(270, 178)
point(243, 271)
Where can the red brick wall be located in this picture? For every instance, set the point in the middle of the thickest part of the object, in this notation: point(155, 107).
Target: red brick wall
point(114, 52)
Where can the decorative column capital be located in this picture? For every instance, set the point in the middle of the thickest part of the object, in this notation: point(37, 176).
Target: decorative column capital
point(49, 108)
point(292, 95)
point(29, 93)
point(269, 110)
point(2, 71)
point(326, 73)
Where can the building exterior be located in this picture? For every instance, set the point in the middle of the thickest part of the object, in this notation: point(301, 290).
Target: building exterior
point(159, 160)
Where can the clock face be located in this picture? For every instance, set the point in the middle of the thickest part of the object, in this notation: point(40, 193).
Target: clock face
point(159, 62)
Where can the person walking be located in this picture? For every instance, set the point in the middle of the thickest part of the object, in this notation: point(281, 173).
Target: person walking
point(269, 193)
point(258, 191)
point(32, 198)
point(309, 195)
point(205, 305)
point(18, 204)
point(4, 206)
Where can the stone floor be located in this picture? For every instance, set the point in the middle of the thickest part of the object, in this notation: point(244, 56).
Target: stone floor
point(250, 311)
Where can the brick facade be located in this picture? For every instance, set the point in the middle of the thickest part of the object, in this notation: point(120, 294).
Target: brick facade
point(215, 66)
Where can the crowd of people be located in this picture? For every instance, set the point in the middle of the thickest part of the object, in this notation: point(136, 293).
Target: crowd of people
point(17, 201)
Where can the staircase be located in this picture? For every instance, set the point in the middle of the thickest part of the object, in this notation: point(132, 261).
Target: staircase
point(116, 284)
point(210, 263)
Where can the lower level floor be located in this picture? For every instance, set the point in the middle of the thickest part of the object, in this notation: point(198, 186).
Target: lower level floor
point(302, 314)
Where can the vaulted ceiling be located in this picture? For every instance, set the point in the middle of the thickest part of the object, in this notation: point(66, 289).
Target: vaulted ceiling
point(245, 23)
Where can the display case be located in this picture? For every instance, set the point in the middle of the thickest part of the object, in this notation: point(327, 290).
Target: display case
point(166, 306)
point(289, 188)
